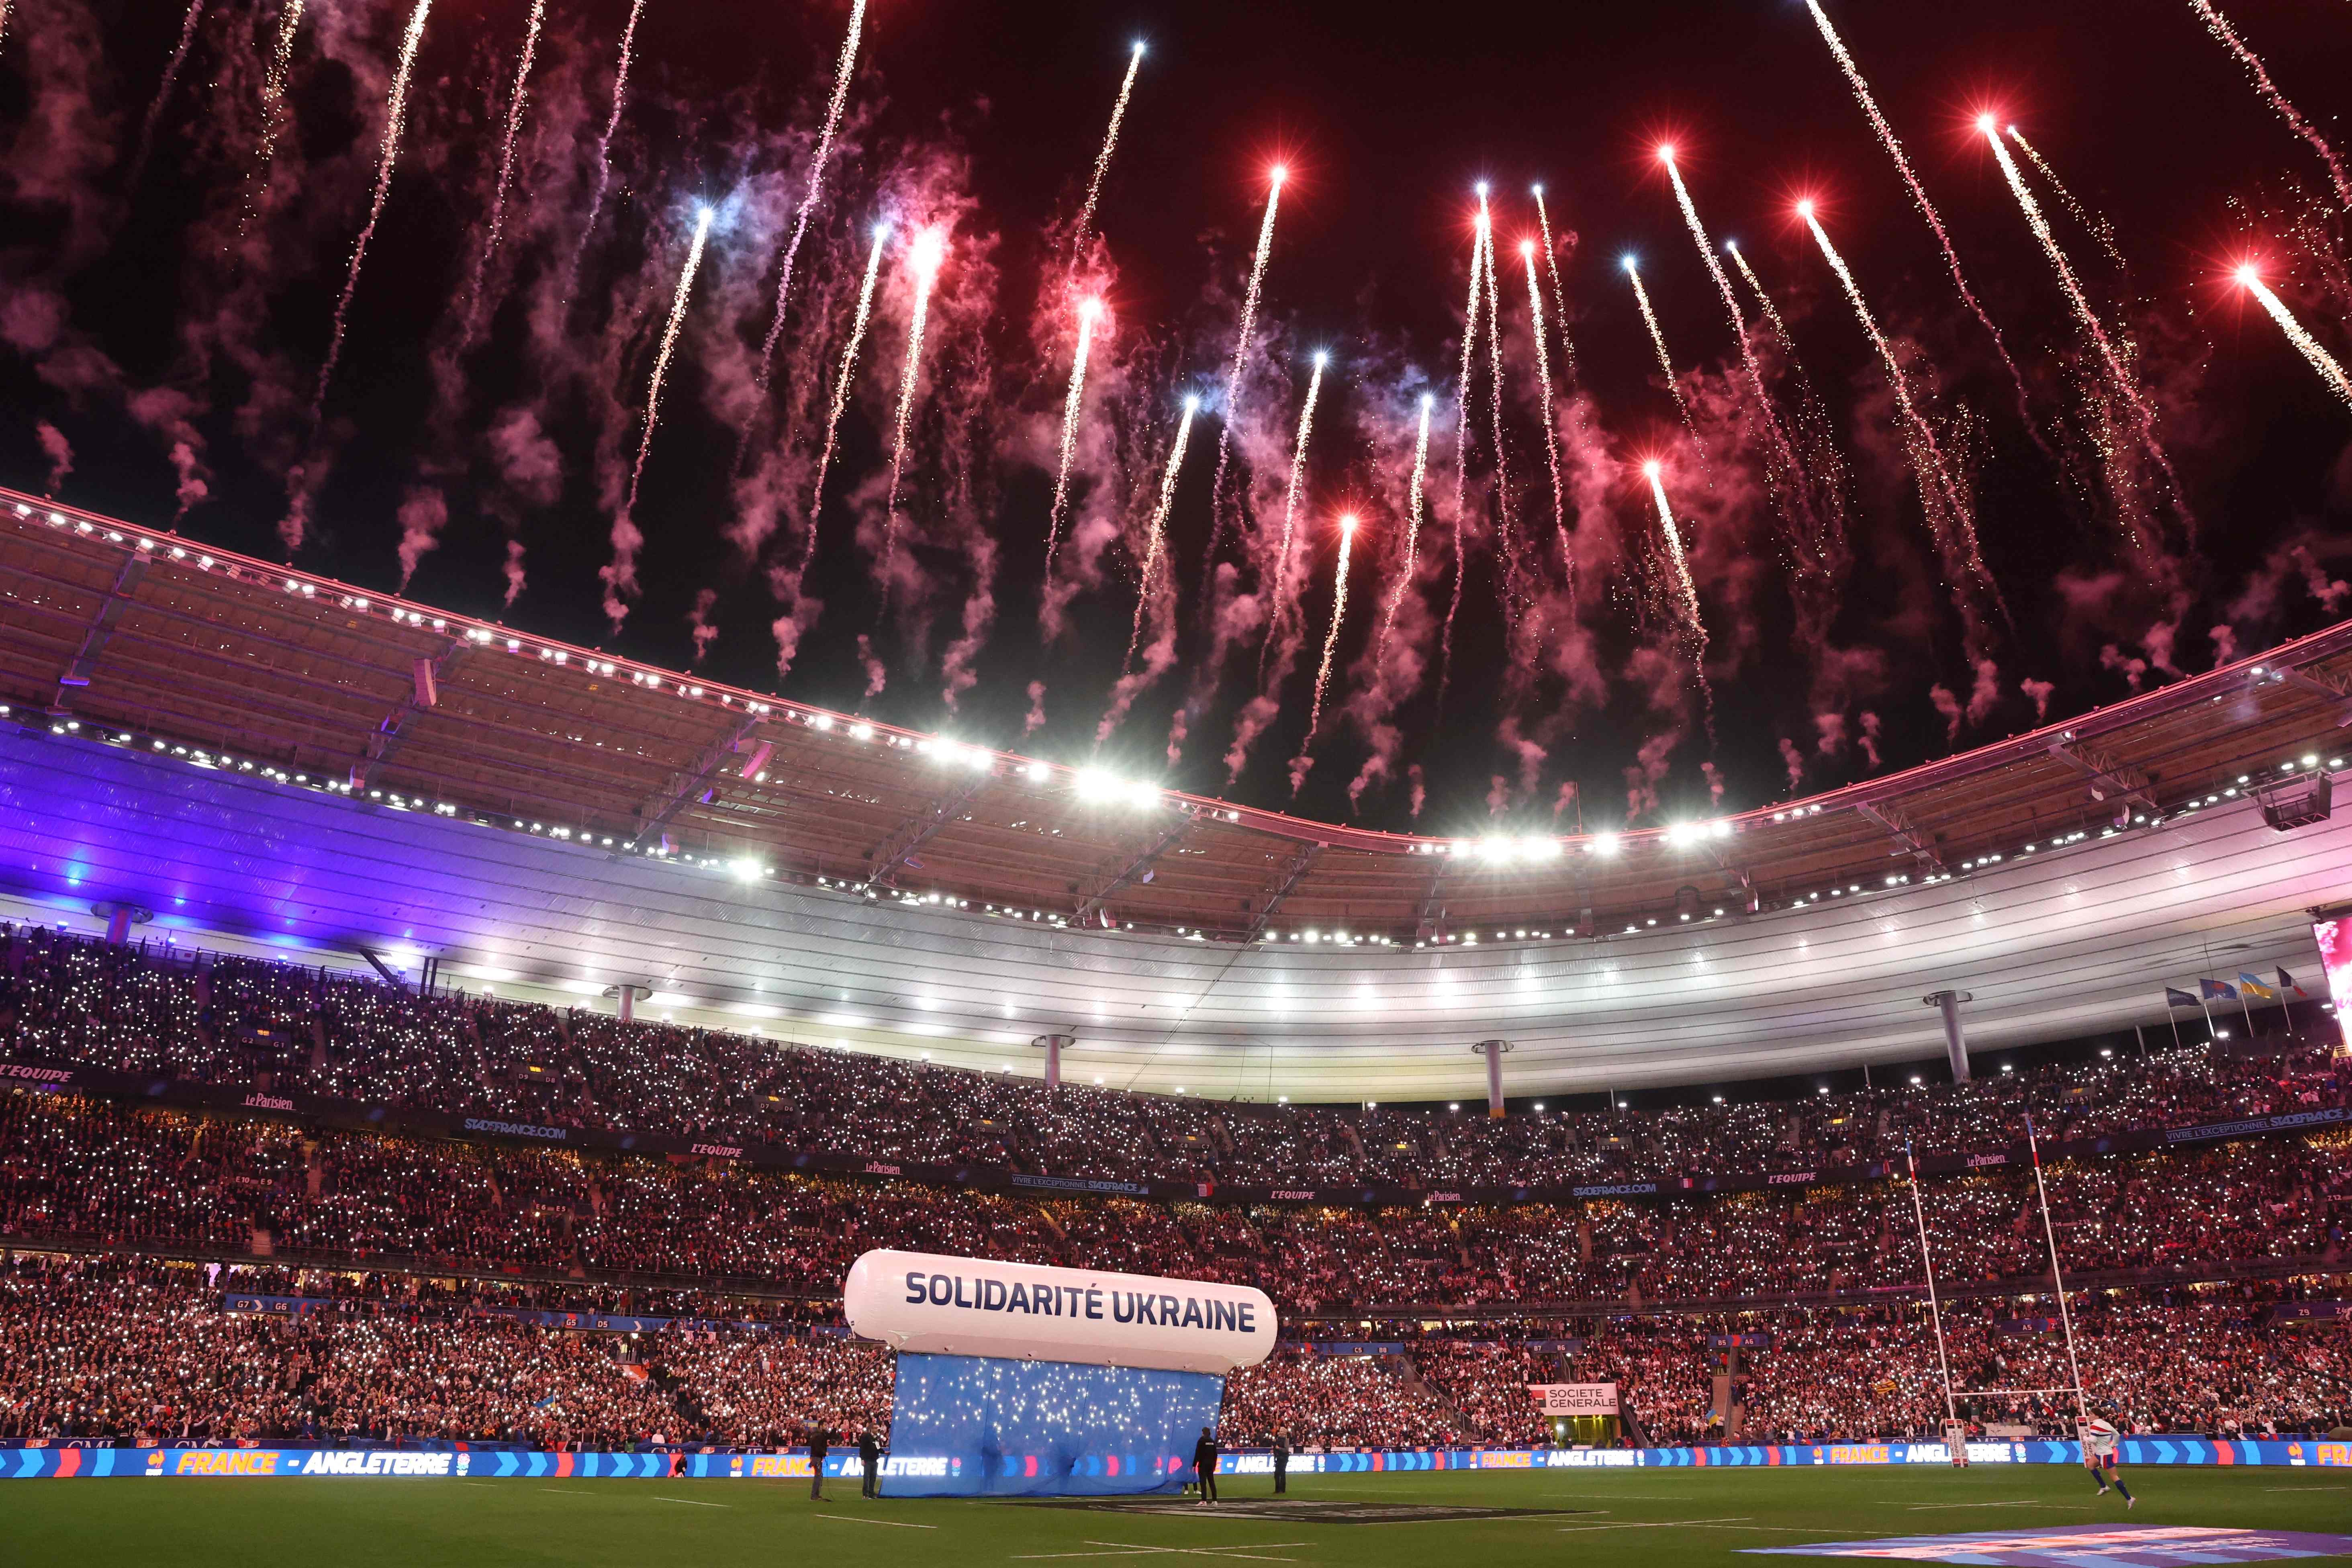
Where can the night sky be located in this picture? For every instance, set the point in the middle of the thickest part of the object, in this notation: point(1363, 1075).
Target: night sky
point(185, 301)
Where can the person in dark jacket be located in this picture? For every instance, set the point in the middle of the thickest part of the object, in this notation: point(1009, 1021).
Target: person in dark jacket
point(1204, 1465)
point(1281, 1464)
point(869, 1460)
point(817, 1439)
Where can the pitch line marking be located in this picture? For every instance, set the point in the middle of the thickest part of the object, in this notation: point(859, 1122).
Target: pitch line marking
point(853, 1519)
point(2020, 1502)
point(1121, 1549)
point(691, 1502)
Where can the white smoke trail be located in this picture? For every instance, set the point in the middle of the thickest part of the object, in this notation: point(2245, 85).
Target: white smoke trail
point(604, 147)
point(1102, 159)
point(1131, 681)
point(1772, 311)
point(621, 577)
point(2097, 227)
point(1284, 601)
point(1686, 591)
point(1559, 295)
point(1331, 637)
point(162, 93)
point(515, 106)
point(928, 250)
point(2228, 37)
point(1657, 337)
point(841, 78)
point(394, 114)
point(1241, 357)
point(1480, 239)
point(1089, 311)
point(1551, 428)
point(2321, 360)
point(840, 379)
point(1412, 529)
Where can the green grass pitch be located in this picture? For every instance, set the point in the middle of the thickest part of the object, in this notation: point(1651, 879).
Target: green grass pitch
point(1621, 1517)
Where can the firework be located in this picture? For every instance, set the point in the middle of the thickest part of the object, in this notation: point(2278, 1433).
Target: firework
point(1274, 176)
point(1284, 599)
point(1686, 591)
point(1657, 337)
point(281, 54)
point(604, 145)
point(2097, 227)
point(1331, 637)
point(2126, 384)
point(1551, 431)
point(1772, 311)
point(163, 91)
point(506, 162)
point(1863, 96)
point(1155, 542)
point(274, 113)
point(1505, 524)
point(842, 376)
point(1411, 527)
point(1102, 159)
point(1937, 491)
point(842, 72)
point(668, 347)
point(1480, 239)
point(396, 112)
point(930, 250)
point(2218, 25)
point(1559, 295)
point(2249, 279)
point(1089, 312)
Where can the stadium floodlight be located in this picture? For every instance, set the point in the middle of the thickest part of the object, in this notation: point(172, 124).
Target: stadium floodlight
point(1605, 844)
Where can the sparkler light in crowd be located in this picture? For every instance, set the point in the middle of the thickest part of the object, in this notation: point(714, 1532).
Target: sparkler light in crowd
point(604, 147)
point(395, 115)
point(1939, 495)
point(1090, 311)
point(1550, 424)
point(1102, 159)
point(1772, 311)
point(2218, 25)
point(1275, 178)
point(515, 105)
point(841, 76)
point(669, 348)
point(841, 379)
point(1285, 602)
point(1414, 502)
point(1686, 591)
point(1657, 338)
point(2248, 278)
point(2097, 226)
point(2126, 384)
point(1863, 96)
point(1331, 637)
point(1559, 295)
point(1154, 549)
point(929, 249)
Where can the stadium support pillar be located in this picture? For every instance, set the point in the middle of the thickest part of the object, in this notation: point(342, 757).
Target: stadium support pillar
point(1955, 1043)
point(627, 997)
point(120, 918)
point(1492, 1051)
point(1051, 1045)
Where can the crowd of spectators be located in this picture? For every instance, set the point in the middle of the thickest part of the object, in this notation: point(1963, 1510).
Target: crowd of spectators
point(66, 999)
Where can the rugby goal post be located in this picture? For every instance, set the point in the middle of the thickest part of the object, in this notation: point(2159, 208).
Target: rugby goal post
point(1955, 1443)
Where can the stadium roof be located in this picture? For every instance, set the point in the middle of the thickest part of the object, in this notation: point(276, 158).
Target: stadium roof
point(911, 850)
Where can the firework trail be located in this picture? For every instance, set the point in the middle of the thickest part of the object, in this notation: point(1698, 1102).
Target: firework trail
point(929, 249)
point(1241, 354)
point(1559, 295)
point(2125, 385)
point(2321, 360)
point(1482, 240)
point(274, 116)
point(1331, 637)
point(281, 55)
point(1657, 339)
point(842, 73)
point(515, 106)
point(668, 347)
point(1937, 491)
point(396, 110)
point(841, 381)
point(163, 91)
point(1686, 591)
point(1772, 311)
point(1551, 429)
point(1514, 588)
point(1919, 199)
point(1129, 683)
point(1412, 529)
point(2098, 227)
point(1102, 159)
point(2217, 25)
point(604, 146)
point(1285, 600)
point(1089, 311)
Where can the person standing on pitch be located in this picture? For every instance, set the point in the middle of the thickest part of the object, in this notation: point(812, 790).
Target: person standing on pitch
point(816, 1462)
point(2099, 1441)
point(1281, 1464)
point(1204, 1465)
point(869, 1458)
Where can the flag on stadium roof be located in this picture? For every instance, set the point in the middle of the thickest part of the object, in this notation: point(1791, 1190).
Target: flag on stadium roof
point(2173, 998)
point(2218, 990)
point(2255, 988)
point(2286, 983)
